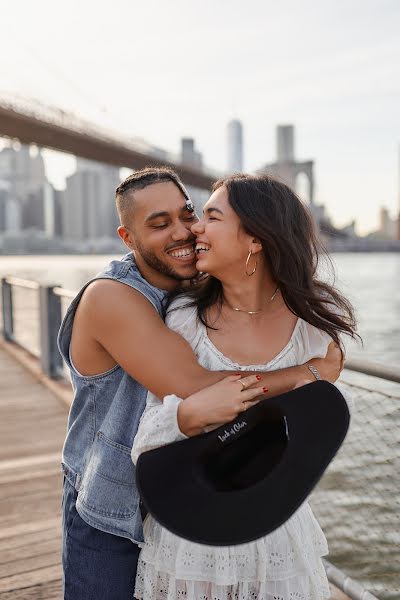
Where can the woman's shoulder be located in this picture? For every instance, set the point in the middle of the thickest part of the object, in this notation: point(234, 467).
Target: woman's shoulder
point(309, 341)
point(182, 317)
point(179, 310)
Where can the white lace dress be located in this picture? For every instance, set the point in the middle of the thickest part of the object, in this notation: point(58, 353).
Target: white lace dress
point(284, 565)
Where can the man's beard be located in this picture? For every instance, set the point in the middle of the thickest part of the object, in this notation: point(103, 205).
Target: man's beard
point(155, 263)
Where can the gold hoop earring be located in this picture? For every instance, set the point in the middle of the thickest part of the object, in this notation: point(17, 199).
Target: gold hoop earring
point(247, 264)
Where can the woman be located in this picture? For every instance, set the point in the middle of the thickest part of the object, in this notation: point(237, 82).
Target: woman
point(261, 308)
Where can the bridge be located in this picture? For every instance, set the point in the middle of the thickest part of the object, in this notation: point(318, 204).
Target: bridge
point(32, 122)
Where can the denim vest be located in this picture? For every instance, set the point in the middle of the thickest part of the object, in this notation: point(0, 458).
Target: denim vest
point(102, 424)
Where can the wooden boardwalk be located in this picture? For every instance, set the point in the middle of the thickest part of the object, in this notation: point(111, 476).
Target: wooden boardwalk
point(32, 430)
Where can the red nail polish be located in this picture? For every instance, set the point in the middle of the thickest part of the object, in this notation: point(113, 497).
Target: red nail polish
point(258, 377)
point(265, 390)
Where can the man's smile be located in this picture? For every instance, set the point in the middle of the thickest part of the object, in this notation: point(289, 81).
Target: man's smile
point(182, 253)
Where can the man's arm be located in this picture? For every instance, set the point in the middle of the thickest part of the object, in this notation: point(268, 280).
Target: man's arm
point(131, 331)
point(127, 326)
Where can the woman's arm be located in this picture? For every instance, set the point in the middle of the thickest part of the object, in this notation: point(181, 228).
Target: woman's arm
point(158, 425)
point(173, 419)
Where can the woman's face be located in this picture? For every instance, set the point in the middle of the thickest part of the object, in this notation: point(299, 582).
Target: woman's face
point(222, 246)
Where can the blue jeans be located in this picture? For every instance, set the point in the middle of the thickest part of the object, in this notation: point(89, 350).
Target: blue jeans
point(96, 565)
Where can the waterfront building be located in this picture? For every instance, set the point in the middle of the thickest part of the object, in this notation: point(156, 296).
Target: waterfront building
point(23, 177)
point(387, 225)
point(235, 146)
point(189, 155)
point(3, 205)
point(192, 157)
point(88, 206)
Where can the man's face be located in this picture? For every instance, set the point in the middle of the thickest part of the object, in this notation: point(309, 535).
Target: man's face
point(159, 233)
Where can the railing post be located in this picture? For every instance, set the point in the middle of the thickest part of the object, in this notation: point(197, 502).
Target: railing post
point(7, 309)
point(50, 321)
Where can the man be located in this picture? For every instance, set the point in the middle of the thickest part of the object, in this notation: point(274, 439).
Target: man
point(117, 346)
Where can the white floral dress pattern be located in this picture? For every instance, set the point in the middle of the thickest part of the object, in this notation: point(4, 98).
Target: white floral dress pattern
point(284, 565)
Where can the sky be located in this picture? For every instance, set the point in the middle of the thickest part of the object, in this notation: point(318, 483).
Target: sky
point(166, 70)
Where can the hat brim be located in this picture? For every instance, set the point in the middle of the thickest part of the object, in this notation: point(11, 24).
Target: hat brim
point(243, 480)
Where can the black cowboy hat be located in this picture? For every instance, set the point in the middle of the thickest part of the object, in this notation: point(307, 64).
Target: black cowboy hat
point(241, 481)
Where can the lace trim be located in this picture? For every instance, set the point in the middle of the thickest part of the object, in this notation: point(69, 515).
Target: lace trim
point(151, 585)
point(292, 548)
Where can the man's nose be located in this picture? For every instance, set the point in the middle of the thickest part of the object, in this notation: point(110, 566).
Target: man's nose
point(181, 232)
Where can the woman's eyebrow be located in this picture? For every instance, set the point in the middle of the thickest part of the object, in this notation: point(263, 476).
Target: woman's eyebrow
point(208, 210)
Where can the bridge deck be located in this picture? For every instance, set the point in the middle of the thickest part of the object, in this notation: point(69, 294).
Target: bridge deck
point(32, 429)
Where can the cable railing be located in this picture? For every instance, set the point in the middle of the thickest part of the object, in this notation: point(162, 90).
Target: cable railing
point(357, 501)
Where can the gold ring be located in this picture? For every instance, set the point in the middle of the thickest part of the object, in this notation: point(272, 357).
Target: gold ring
point(243, 384)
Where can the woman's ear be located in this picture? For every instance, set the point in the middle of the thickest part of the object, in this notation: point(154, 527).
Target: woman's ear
point(255, 246)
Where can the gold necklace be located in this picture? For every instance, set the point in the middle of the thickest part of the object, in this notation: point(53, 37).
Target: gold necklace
point(253, 312)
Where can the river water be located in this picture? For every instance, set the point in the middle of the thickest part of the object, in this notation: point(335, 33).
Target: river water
point(370, 281)
point(358, 499)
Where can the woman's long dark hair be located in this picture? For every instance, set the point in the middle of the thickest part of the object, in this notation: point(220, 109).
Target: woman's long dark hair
point(270, 211)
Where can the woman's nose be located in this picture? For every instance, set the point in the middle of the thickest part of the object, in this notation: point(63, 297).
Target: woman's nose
point(198, 227)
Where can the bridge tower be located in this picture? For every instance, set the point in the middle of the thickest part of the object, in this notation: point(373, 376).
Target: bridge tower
point(286, 167)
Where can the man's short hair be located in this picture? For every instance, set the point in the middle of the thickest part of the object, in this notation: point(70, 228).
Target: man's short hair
point(140, 180)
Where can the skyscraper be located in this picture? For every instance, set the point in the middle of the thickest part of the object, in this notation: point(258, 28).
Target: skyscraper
point(189, 154)
point(22, 172)
point(88, 204)
point(235, 146)
point(285, 143)
point(192, 157)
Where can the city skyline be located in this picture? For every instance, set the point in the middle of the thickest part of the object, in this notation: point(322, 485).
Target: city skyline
point(35, 216)
point(329, 69)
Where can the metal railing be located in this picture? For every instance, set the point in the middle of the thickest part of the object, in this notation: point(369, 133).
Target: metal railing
point(373, 369)
point(47, 313)
point(357, 501)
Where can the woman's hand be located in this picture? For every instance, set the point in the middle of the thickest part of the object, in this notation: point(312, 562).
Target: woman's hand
point(219, 403)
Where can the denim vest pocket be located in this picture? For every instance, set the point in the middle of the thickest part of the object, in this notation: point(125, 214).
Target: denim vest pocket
point(108, 485)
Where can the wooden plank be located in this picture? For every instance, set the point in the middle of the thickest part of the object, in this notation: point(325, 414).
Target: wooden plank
point(36, 508)
point(43, 446)
point(51, 590)
point(39, 484)
point(29, 527)
point(22, 475)
point(29, 539)
point(21, 553)
point(22, 505)
point(28, 461)
point(33, 563)
point(31, 578)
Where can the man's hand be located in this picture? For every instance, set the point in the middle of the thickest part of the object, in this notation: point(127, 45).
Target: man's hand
point(284, 380)
point(331, 366)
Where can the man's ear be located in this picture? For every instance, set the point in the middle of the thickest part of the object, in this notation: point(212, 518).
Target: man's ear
point(126, 236)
